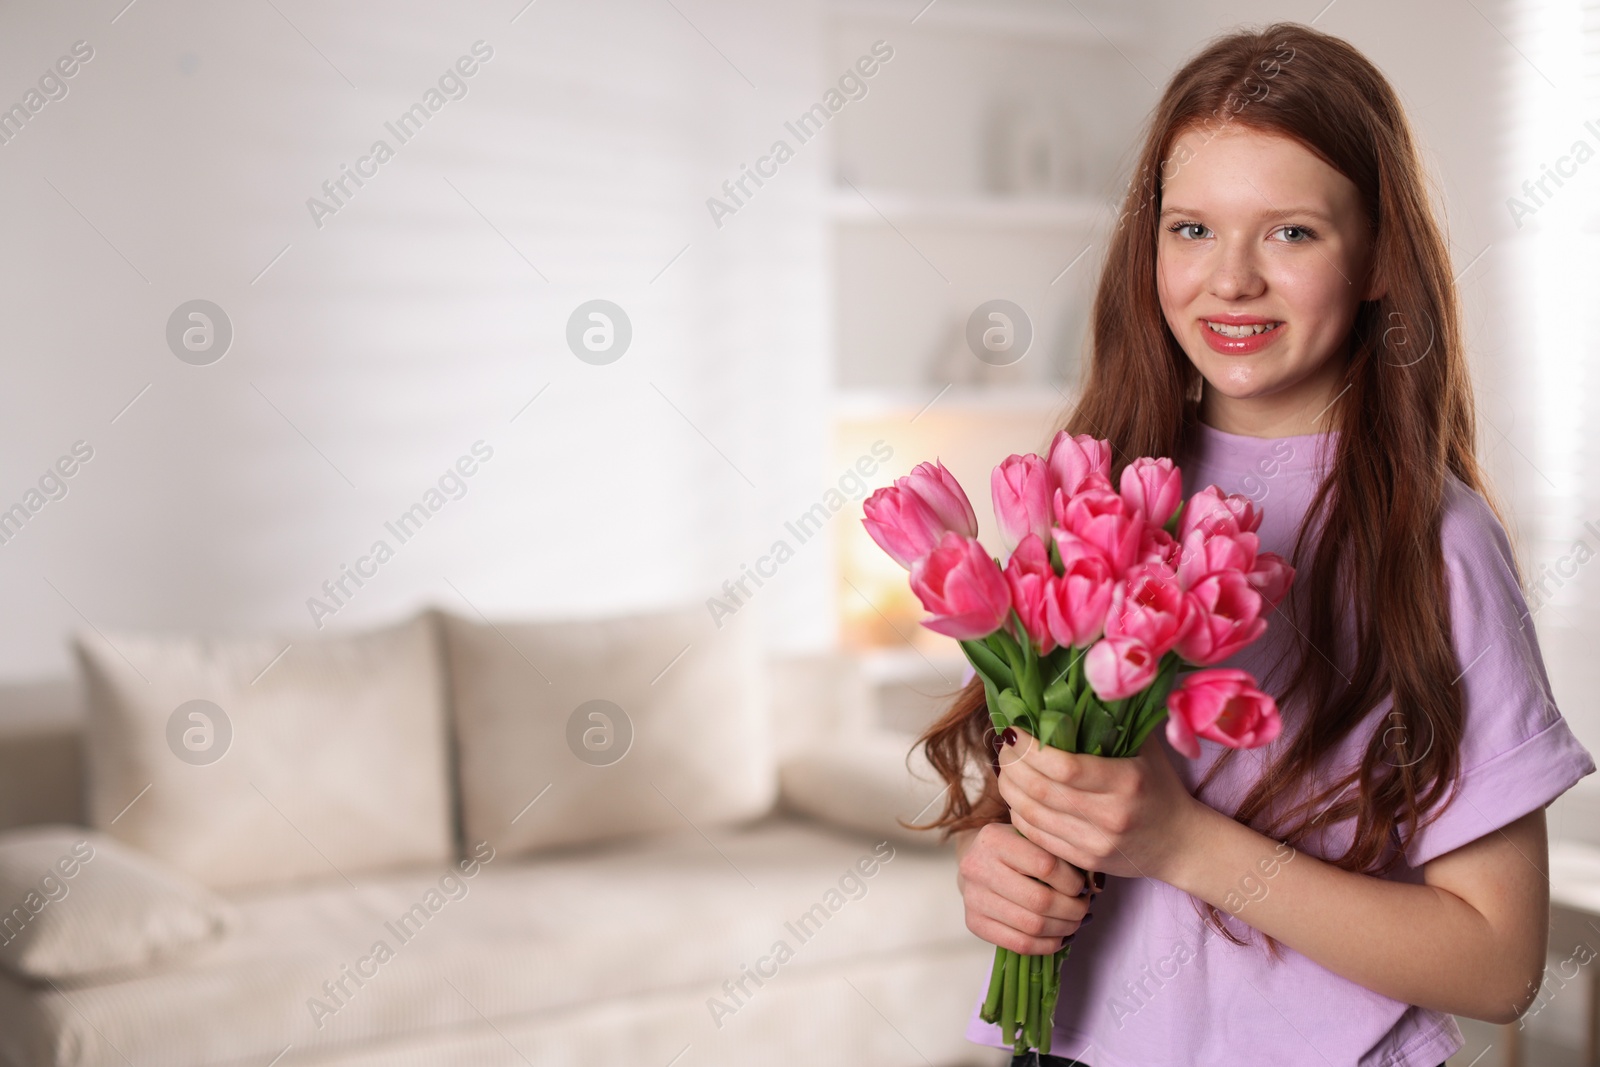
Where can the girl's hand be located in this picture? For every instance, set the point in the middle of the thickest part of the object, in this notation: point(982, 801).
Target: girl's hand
point(1131, 817)
point(1017, 895)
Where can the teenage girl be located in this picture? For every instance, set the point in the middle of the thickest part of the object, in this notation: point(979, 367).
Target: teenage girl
point(1276, 313)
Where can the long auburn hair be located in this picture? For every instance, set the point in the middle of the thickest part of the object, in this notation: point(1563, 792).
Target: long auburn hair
point(1406, 422)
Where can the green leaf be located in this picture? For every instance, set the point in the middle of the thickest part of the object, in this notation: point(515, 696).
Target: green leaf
point(1028, 683)
point(992, 699)
point(1050, 727)
point(1005, 646)
point(986, 663)
point(1156, 707)
point(1097, 729)
point(1072, 728)
point(1057, 666)
point(1171, 525)
point(1015, 710)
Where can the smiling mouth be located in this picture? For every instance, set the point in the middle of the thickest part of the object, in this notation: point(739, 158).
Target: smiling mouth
point(1248, 330)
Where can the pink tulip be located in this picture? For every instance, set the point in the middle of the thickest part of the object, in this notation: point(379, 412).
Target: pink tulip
point(1032, 581)
point(963, 587)
point(939, 489)
point(1154, 486)
point(1214, 511)
point(1104, 520)
point(1158, 548)
point(1072, 459)
point(1076, 613)
point(1271, 577)
point(1221, 704)
point(1223, 614)
point(907, 518)
point(1095, 480)
point(1148, 605)
point(1021, 489)
point(1118, 667)
point(902, 523)
point(1202, 555)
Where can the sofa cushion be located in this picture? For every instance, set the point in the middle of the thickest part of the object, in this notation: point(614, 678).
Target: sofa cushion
point(564, 934)
point(84, 906)
point(579, 730)
point(238, 767)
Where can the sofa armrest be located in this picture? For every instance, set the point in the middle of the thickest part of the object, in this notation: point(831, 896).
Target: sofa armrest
point(814, 697)
point(41, 753)
point(864, 781)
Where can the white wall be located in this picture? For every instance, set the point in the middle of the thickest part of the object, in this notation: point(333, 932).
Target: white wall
point(406, 328)
point(383, 344)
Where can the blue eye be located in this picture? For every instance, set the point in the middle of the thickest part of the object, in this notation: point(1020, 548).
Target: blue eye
point(1305, 230)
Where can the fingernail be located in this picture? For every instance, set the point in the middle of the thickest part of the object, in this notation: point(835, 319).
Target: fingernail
point(1065, 941)
point(1087, 919)
point(1009, 736)
point(1099, 880)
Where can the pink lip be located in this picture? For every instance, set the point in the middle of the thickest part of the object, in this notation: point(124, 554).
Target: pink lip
point(1239, 346)
point(1233, 318)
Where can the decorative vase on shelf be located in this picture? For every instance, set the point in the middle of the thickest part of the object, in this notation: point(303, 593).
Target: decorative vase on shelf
point(1035, 149)
point(953, 362)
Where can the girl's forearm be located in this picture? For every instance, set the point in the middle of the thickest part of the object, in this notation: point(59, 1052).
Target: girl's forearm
point(1415, 943)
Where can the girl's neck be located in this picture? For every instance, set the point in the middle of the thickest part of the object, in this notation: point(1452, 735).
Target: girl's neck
point(1307, 408)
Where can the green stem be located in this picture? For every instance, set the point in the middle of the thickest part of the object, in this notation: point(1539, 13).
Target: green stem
point(1036, 999)
point(1029, 1008)
point(991, 1003)
point(1052, 991)
point(1008, 996)
point(1156, 707)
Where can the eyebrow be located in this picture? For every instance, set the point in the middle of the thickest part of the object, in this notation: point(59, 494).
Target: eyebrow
point(1275, 213)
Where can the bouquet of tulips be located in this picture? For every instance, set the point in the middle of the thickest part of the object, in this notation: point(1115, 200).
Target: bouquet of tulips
point(1107, 617)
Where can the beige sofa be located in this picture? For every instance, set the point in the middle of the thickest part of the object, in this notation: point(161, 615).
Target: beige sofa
point(732, 889)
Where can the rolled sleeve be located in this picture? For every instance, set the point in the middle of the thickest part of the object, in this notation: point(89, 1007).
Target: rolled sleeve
point(1509, 786)
point(1517, 751)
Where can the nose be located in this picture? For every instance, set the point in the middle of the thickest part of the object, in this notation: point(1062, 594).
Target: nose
point(1236, 274)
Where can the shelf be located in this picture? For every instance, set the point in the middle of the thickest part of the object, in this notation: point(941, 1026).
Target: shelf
point(887, 666)
point(1031, 21)
point(1044, 398)
point(873, 206)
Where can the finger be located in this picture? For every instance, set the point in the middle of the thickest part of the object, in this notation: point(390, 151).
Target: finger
point(1026, 857)
point(1061, 812)
point(1023, 785)
point(997, 933)
point(1017, 869)
point(1090, 774)
point(1065, 848)
point(1025, 921)
point(1031, 780)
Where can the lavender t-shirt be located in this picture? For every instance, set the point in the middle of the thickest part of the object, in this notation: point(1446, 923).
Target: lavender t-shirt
point(1148, 982)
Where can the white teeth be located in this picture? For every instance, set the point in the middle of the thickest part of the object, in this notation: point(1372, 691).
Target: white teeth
point(1240, 331)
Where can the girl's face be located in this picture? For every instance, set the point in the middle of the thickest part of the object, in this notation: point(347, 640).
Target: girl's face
point(1262, 258)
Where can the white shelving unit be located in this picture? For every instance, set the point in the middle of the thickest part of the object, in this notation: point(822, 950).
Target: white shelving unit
point(1030, 21)
point(978, 163)
point(1074, 214)
point(913, 401)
